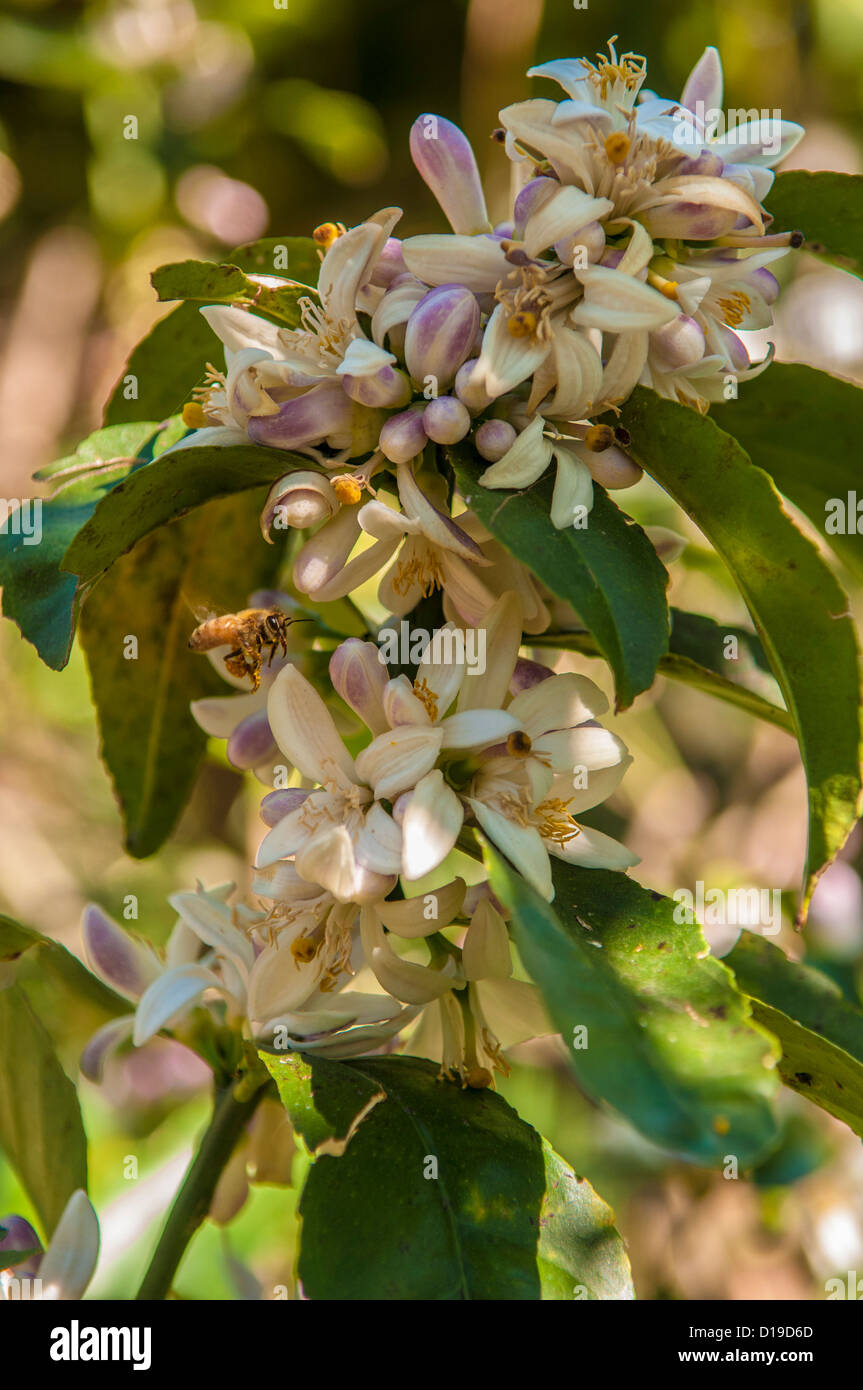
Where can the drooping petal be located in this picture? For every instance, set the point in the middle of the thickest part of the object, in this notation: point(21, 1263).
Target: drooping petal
point(304, 729)
point(169, 996)
point(572, 498)
point(102, 1044)
point(430, 826)
point(425, 914)
point(522, 844)
point(593, 850)
point(413, 984)
point(486, 952)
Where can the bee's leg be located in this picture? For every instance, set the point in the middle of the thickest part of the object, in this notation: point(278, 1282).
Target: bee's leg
point(235, 662)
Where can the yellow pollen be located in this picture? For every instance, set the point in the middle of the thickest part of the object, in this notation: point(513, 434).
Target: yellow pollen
point(617, 147)
point(555, 823)
point(347, 489)
point(478, 1078)
point(422, 570)
point(303, 950)
point(599, 437)
point(427, 696)
point(518, 745)
point(193, 416)
point(327, 233)
point(522, 324)
point(735, 307)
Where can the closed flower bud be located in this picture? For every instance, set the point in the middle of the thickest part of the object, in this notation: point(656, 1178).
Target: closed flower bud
point(321, 414)
point(276, 805)
point(252, 742)
point(403, 436)
point(298, 500)
point(440, 333)
point(388, 388)
point(470, 388)
point(493, 439)
point(390, 263)
point(677, 345)
point(360, 677)
point(446, 164)
point(612, 468)
point(446, 420)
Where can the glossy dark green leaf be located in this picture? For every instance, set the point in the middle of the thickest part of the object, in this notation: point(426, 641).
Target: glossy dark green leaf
point(820, 1032)
point(697, 657)
point(324, 1099)
point(609, 571)
point(208, 283)
point(165, 367)
point(169, 487)
point(827, 208)
point(296, 257)
point(444, 1195)
point(804, 428)
point(37, 594)
point(798, 607)
point(669, 1040)
point(41, 1133)
point(149, 740)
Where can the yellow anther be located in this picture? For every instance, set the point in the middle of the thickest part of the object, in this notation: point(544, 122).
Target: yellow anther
point(617, 147)
point(327, 233)
point(522, 324)
point(599, 437)
point(303, 950)
point(427, 698)
point(194, 417)
point(347, 489)
point(735, 307)
point(518, 745)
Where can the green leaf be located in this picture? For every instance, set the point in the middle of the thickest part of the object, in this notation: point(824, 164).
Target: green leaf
point(798, 607)
point(697, 658)
point(609, 571)
point(820, 1032)
point(804, 428)
point(37, 594)
point(502, 1218)
point(149, 740)
point(166, 365)
point(296, 256)
point(208, 283)
point(56, 961)
point(827, 208)
point(41, 1132)
point(167, 488)
point(669, 1040)
point(325, 1100)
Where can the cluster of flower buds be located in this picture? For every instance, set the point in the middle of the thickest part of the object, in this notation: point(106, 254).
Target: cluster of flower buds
point(636, 246)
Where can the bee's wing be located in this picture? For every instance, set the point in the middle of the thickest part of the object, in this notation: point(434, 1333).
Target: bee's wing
point(201, 612)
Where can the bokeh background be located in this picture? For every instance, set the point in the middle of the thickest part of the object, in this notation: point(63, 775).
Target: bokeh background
point(256, 117)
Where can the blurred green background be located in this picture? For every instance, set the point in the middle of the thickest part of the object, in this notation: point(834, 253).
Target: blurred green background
point(250, 118)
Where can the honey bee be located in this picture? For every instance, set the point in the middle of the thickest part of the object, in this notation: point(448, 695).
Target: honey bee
point(248, 633)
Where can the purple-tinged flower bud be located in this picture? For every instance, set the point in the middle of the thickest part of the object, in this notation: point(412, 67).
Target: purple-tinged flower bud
point(388, 388)
point(390, 263)
point(252, 741)
point(677, 344)
point(403, 436)
point(446, 420)
point(360, 677)
point(504, 230)
point(322, 413)
point(765, 282)
point(440, 333)
point(591, 237)
point(733, 346)
point(276, 805)
point(299, 500)
point(123, 962)
point(528, 674)
point(613, 468)
point(530, 199)
point(707, 163)
point(493, 439)
point(446, 164)
point(469, 389)
point(19, 1236)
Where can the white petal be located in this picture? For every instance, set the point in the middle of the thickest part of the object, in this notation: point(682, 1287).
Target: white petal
point(573, 490)
point(211, 921)
point(478, 262)
point(168, 996)
point(427, 913)
point(505, 361)
point(239, 329)
point(396, 761)
point(524, 462)
point(413, 984)
point(401, 705)
point(379, 843)
point(486, 952)
point(501, 631)
point(430, 826)
point(561, 216)
point(68, 1264)
point(522, 845)
point(619, 303)
point(594, 850)
point(219, 715)
point(558, 703)
point(477, 728)
point(304, 730)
